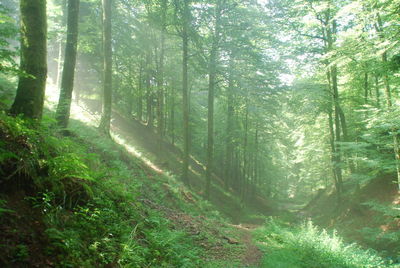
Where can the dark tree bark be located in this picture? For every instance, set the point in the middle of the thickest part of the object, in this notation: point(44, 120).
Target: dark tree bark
point(29, 100)
point(107, 82)
point(67, 82)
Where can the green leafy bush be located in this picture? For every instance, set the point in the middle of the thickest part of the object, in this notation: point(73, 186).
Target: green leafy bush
point(307, 246)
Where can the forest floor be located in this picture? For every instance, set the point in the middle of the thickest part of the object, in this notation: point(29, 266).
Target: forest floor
point(163, 157)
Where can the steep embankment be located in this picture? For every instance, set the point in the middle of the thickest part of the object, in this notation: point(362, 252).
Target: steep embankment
point(369, 215)
point(83, 201)
point(141, 140)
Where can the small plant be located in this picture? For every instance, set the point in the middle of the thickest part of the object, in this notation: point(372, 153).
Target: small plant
point(21, 253)
point(3, 207)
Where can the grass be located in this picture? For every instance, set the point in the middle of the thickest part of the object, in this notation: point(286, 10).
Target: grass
point(306, 246)
point(95, 205)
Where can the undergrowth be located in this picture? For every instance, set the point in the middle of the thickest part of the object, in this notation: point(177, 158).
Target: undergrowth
point(387, 235)
point(306, 246)
point(91, 199)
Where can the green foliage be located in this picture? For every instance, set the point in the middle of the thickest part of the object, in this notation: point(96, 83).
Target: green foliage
point(91, 203)
point(3, 207)
point(307, 246)
point(8, 35)
point(387, 235)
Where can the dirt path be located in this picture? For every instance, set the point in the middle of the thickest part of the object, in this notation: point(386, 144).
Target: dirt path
point(252, 255)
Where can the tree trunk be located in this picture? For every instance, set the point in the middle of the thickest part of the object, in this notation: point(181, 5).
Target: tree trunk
point(185, 97)
point(338, 119)
point(172, 120)
point(255, 173)
point(107, 83)
point(396, 145)
point(67, 82)
point(229, 127)
point(61, 45)
point(337, 122)
point(160, 84)
point(149, 94)
point(366, 87)
point(245, 153)
point(377, 92)
point(29, 100)
point(211, 88)
point(140, 94)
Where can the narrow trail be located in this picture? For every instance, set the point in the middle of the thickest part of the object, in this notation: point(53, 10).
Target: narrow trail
point(252, 256)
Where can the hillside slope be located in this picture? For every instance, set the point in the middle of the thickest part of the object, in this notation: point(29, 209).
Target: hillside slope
point(369, 215)
point(164, 157)
point(83, 201)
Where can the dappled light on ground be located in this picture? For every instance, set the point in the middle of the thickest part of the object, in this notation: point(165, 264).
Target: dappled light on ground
point(131, 149)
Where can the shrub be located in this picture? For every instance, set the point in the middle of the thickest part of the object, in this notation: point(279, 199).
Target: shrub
point(307, 246)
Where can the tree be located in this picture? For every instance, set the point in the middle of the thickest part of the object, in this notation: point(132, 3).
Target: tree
point(211, 88)
point(67, 82)
point(29, 100)
point(107, 68)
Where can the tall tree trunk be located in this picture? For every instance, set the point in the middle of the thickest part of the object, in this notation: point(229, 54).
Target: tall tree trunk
point(338, 117)
point(366, 88)
point(377, 92)
point(105, 121)
point(332, 138)
point(149, 93)
point(338, 135)
point(333, 149)
point(29, 100)
point(245, 153)
point(185, 97)
point(61, 44)
point(160, 84)
point(255, 173)
point(388, 94)
point(229, 127)
point(172, 120)
point(67, 83)
point(140, 94)
point(211, 88)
